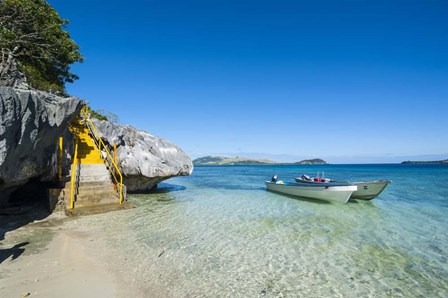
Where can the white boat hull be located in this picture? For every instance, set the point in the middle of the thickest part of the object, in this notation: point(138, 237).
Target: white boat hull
point(368, 190)
point(338, 193)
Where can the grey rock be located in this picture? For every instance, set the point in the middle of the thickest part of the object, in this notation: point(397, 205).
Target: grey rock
point(144, 160)
point(31, 123)
point(11, 76)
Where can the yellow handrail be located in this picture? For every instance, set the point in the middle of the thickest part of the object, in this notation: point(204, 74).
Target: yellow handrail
point(100, 144)
point(73, 174)
point(60, 158)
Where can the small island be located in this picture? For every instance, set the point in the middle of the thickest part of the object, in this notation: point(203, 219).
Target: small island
point(227, 161)
point(220, 160)
point(315, 161)
point(445, 161)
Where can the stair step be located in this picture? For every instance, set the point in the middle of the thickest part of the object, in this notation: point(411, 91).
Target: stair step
point(82, 192)
point(92, 172)
point(93, 178)
point(87, 151)
point(96, 192)
point(99, 198)
point(100, 169)
point(94, 201)
point(84, 143)
point(90, 167)
point(83, 152)
point(92, 161)
point(89, 156)
point(86, 210)
point(89, 199)
point(91, 184)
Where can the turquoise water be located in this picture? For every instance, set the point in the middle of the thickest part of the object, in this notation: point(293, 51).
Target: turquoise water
point(219, 233)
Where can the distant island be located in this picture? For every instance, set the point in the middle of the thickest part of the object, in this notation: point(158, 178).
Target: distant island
point(225, 161)
point(426, 162)
point(315, 161)
point(220, 160)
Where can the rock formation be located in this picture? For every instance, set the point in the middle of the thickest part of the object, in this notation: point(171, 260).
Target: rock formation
point(144, 159)
point(10, 75)
point(30, 125)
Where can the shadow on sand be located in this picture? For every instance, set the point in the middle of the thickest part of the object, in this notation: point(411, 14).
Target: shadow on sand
point(14, 251)
point(27, 204)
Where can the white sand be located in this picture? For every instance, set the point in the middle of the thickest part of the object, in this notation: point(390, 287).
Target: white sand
point(64, 268)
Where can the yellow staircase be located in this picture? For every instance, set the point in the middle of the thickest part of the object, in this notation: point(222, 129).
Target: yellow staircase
point(95, 184)
point(87, 153)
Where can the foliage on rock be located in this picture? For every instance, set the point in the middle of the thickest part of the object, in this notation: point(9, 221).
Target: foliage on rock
point(103, 115)
point(32, 36)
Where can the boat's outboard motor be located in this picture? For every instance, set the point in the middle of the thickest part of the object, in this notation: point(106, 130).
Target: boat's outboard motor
point(274, 178)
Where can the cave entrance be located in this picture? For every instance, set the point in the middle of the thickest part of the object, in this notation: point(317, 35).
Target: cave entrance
point(31, 197)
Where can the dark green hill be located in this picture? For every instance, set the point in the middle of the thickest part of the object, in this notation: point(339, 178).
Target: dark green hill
point(220, 160)
point(315, 161)
point(426, 162)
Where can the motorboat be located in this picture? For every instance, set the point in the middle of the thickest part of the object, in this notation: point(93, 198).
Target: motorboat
point(327, 191)
point(367, 190)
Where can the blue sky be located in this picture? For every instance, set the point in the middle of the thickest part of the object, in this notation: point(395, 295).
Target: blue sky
point(347, 81)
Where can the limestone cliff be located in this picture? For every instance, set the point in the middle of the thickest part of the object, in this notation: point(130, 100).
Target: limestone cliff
point(30, 125)
point(144, 159)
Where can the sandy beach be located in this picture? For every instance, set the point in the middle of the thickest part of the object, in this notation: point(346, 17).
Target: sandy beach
point(47, 258)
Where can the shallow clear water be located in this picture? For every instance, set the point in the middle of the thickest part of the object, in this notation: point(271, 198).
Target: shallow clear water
point(219, 233)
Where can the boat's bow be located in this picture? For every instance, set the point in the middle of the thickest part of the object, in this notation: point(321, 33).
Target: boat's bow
point(368, 190)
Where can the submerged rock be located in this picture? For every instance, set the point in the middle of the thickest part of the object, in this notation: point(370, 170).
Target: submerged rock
point(144, 160)
point(30, 124)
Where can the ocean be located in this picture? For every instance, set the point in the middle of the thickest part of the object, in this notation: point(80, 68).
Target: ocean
point(219, 233)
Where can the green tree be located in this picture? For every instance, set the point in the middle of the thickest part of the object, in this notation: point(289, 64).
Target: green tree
point(32, 37)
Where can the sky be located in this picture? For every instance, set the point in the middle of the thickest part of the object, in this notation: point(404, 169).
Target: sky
point(346, 81)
